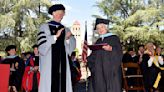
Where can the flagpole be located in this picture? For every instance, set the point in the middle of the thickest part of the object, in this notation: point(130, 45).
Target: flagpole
point(86, 62)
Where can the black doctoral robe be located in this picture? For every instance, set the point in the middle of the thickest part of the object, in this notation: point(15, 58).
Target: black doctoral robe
point(58, 83)
point(105, 67)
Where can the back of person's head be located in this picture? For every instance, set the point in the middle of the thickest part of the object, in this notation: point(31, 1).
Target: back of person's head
point(28, 54)
point(73, 53)
point(35, 46)
point(139, 46)
point(130, 49)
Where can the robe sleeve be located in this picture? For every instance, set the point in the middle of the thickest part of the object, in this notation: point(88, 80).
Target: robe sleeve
point(91, 60)
point(116, 51)
point(45, 40)
point(70, 43)
point(144, 63)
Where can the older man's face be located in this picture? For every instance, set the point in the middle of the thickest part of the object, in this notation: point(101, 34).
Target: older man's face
point(58, 15)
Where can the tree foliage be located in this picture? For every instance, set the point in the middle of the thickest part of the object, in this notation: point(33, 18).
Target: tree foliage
point(135, 21)
point(20, 20)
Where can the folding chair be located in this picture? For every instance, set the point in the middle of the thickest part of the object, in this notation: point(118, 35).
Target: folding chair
point(138, 78)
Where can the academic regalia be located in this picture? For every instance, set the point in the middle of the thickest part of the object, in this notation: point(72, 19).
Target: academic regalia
point(16, 73)
point(31, 78)
point(75, 71)
point(36, 75)
point(127, 58)
point(134, 59)
point(161, 83)
point(105, 66)
point(149, 72)
point(54, 64)
point(36, 59)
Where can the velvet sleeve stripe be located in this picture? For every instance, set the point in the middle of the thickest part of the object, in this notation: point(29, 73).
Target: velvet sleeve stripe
point(41, 37)
point(41, 33)
point(42, 42)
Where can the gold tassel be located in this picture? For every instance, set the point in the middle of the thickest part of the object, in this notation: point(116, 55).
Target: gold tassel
point(159, 74)
point(157, 80)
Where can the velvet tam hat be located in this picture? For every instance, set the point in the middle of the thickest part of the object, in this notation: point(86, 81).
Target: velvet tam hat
point(55, 8)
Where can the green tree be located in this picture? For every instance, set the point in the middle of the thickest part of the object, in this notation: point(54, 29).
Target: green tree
point(135, 21)
point(20, 20)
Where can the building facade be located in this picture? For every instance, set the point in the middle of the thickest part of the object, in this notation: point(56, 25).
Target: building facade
point(76, 31)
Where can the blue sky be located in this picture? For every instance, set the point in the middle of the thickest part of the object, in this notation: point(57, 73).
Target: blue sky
point(80, 10)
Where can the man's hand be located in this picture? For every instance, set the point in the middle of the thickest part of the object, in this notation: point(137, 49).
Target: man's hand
point(36, 68)
point(16, 65)
point(59, 32)
point(68, 35)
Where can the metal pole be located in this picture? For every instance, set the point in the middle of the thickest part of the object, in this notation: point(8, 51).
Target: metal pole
point(86, 63)
point(87, 78)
